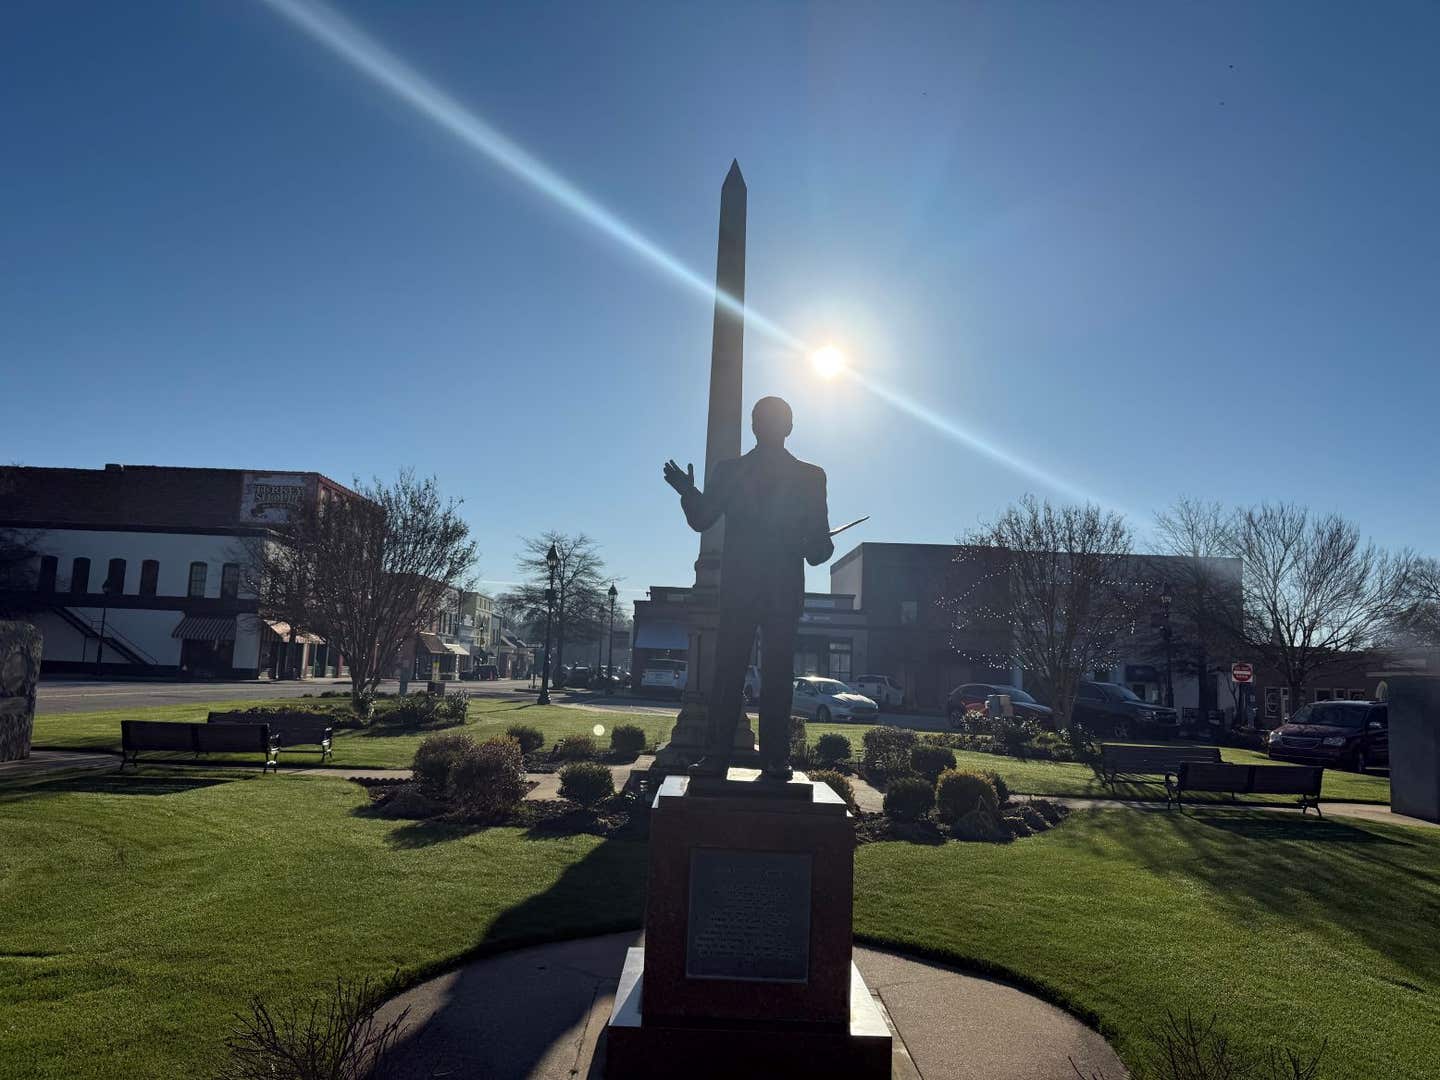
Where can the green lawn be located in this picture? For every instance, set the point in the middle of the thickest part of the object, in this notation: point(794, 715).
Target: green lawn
point(1072, 778)
point(378, 746)
point(1295, 931)
point(137, 913)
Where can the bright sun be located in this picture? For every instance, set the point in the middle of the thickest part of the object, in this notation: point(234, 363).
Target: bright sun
point(828, 361)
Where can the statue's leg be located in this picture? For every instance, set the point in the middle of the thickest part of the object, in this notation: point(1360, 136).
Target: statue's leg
point(735, 636)
point(777, 676)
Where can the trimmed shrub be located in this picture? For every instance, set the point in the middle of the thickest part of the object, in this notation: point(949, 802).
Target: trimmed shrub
point(909, 799)
point(1002, 789)
point(959, 791)
point(800, 754)
point(836, 782)
point(887, 750)
point(426, 710)
point(930, 761)
point(575, 748)
point(530, 738)
point(979, 824)
point(409, 802)
point(832, 748)
point(586, 783)
point(489, 779)
point(435, 757)
point(627, 739)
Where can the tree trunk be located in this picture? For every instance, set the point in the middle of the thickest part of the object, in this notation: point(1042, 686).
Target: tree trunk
point(20, 648)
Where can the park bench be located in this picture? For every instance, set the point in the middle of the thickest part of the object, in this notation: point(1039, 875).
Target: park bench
point(288, 731)
point(1142, 762)
point(140, 736)
point(1301, 780)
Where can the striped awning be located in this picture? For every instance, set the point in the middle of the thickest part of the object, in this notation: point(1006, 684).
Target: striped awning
point(204, 628)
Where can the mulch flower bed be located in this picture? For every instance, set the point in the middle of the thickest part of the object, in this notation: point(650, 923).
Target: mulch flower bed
point(403, 800)
point(1014, 819)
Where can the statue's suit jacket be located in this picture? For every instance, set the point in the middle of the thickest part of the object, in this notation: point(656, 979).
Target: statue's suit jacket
point(776, 518)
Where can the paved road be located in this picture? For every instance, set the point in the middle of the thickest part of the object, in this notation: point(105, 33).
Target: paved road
point(87, 695)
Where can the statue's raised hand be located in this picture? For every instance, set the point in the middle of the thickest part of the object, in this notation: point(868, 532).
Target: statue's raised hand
point(683, 482)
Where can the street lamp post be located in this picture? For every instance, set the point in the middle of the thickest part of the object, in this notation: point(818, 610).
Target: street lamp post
point(610, 659)
point(104, 611)
point(552, 559)
point(1165, 601)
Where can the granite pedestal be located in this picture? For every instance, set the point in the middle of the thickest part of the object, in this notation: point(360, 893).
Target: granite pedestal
point(746, 967)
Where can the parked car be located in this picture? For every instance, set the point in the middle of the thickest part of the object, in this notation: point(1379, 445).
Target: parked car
point(884, 690)
point(579, 675)
point(1346, 734)
point(1112, 711)
point(971, 698)
point(823, 700)
point(482, 671)
point(752, 685)
point(666, 676)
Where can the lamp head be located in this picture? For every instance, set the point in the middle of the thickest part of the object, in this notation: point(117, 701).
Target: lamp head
point(552, 557)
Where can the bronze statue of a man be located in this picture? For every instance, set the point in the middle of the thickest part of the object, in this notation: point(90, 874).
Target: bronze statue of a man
point(776, 519)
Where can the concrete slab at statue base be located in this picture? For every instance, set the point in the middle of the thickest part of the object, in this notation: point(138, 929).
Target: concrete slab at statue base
point(858, 1050)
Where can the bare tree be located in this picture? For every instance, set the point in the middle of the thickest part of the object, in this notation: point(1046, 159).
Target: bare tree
point(1418, 622)
point(1313, 590)
point(579, 588)
point(365, 572)
point(1066, 590)
point(1196, 566)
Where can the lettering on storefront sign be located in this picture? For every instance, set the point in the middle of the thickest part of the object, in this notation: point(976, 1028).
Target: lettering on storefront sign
point(271, 498)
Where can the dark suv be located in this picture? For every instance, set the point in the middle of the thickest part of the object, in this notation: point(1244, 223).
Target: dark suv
point(971, 698)
point(1348, 734)
point(1112, 711)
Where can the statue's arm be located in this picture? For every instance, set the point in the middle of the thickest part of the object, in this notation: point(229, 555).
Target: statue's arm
point(818, 545)
point(702, 508)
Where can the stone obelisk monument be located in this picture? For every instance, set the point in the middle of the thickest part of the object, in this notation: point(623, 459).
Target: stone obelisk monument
point(722, 441)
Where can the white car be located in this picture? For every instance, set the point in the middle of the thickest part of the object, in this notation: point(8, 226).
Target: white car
point(824, 700)
point(884, 690)
point(664, 675)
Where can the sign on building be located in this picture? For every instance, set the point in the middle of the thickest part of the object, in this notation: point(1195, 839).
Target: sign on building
point(271, 497)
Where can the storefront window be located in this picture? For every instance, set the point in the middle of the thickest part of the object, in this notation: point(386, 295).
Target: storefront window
point(840, 660)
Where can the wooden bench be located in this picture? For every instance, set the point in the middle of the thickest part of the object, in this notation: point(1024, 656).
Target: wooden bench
point(1301, 780)
point(140, 736)
point(288, 731)
point(1142, 762)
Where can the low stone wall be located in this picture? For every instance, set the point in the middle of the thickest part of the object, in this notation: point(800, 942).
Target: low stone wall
point(20, 648)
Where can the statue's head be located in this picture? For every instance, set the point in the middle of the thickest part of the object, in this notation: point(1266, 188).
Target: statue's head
point(772, 421)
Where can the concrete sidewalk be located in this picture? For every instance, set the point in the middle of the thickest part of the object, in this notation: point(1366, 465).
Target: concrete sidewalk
point(538, 1014)
point(1378, 812)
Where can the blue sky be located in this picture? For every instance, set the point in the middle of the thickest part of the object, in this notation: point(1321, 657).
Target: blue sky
point(1150, 249)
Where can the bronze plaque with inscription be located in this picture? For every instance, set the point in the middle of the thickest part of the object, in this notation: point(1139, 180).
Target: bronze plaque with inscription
point(749, 916)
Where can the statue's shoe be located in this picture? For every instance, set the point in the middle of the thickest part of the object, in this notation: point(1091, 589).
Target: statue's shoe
point(777, 773)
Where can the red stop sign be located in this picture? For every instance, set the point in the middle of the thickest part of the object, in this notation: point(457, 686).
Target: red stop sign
point(1242, 672)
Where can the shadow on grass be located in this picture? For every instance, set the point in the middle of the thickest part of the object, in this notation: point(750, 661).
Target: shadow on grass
point(114, 783)
point(1334, 880)
point(498, 1017)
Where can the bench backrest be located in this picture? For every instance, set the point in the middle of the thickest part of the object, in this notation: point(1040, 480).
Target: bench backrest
point(1286, 779)
point(1154, 759)
point(1252, 779)
point(296, 730)
point(156, 735)
point(197, 738)
point(212, 737)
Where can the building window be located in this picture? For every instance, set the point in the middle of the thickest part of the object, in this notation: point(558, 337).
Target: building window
point(49, 564)
point(115, 577)
point(909, 612)
point(840, 660)
point(80, 575)
point(229, 581)
point(197, 579)
point(149, 577)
